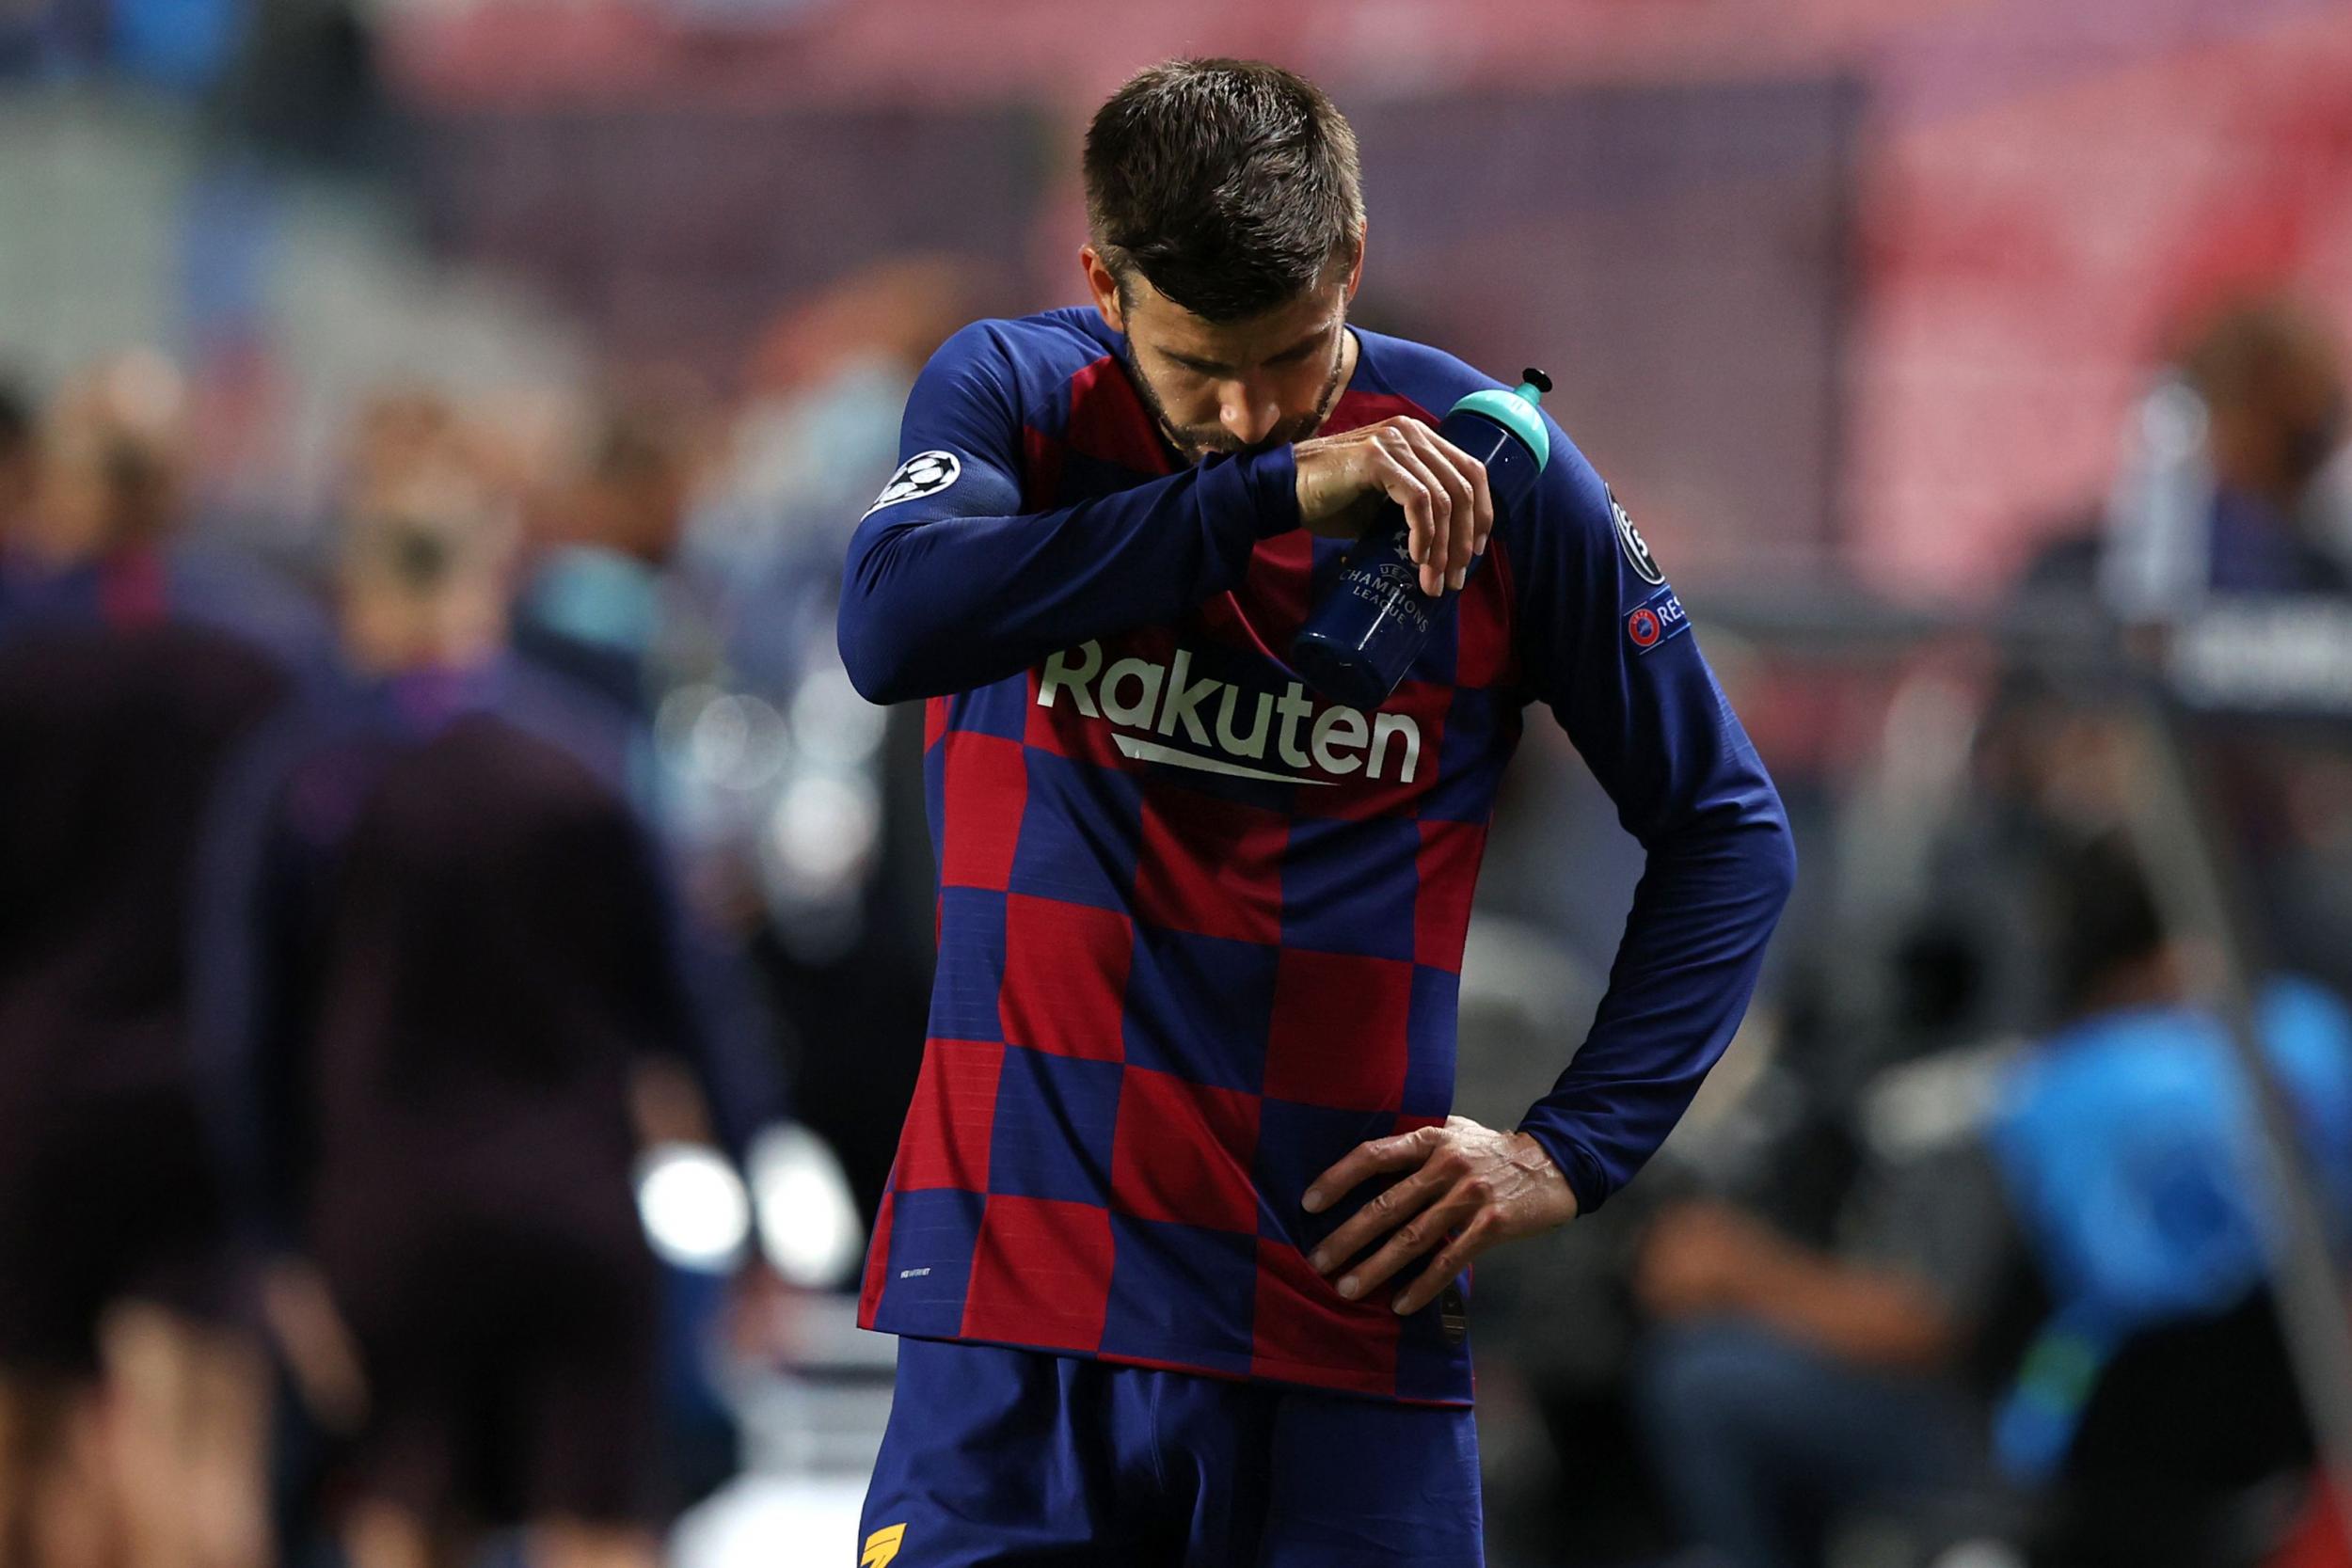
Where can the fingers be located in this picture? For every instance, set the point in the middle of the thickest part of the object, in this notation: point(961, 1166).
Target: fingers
point(1427, 1229)
point(1455, 1256)
point(1400, 1152)
point(1443, 491)
point(1471, 506)
point(1406, 472)
point(1385, 1213)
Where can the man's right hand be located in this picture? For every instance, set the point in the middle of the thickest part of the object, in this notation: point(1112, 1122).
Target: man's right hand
point(1342, 479)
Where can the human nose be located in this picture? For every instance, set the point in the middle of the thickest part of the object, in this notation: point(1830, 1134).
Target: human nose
point(1247, 413)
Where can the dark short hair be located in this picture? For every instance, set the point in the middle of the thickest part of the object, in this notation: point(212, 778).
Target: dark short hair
point(1232, 186)
point(2106, 914)
point(2252, 341)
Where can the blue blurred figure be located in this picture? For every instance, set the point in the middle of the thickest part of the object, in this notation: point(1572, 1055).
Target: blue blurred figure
point(2054, 1263)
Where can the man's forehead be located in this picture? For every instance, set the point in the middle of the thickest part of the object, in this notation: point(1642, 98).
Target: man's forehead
point(1172, 327)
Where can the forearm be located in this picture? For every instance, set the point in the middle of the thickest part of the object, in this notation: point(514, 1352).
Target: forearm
point(728, 1036)
point(933, 606)
point(1857, 1315)
point(1685, 969)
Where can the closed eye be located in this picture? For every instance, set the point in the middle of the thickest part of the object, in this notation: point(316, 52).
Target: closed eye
point(1295, 354)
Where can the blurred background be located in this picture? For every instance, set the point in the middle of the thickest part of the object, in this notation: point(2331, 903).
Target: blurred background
point(1929, 342)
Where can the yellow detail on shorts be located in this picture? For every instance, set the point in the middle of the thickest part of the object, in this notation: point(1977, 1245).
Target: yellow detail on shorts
point(882, 1547)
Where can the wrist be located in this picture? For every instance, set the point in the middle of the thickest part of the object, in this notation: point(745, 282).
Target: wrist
point(1274, 489)
point(1578, 1170)
point(1528, 1154)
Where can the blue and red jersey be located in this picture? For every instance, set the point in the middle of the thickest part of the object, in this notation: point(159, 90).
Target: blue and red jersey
point(1200, 931)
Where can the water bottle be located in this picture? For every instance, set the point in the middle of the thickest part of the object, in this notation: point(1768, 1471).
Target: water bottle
point(1364, 634)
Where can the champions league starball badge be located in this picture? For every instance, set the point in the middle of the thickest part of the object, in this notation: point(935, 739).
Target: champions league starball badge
point(927, 473)
point(1636, 548)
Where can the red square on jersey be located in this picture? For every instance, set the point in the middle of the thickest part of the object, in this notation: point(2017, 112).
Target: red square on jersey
point(951, 1117)
point(987, 787)
point(1481, 648)
point(1339, 1034)
point(1447, 865)
point(1065, 982)
point(1304, 1332)
point(1394, 757)
point(1084, 700)
point(1061, 690)
point(1107, 420)
point(1184, 1152)
point(869, 1293)
point(1210, 866)
point(1040, 1275)
point(1272, 592)
point(1262, 614)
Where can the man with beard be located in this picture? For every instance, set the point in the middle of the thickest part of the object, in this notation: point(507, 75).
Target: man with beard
point(1174, 1238)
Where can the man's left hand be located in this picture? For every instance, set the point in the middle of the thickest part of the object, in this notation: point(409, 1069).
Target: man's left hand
point(1471, 1187)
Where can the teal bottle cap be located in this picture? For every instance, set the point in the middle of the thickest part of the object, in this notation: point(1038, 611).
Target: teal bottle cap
point(1514, 411)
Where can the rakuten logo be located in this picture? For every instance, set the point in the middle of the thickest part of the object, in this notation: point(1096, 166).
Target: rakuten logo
point(1163, 699)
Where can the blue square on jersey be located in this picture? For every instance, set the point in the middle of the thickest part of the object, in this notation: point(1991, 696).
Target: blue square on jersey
point(1428, 1365)
point(1079, 833)
point(971, 965)
point(1348, 886)
point(1000, 708)
point(1296, 1143)
point(1470, 755)
point(1183, 1292)
point(1429, 1033)
point(1084, 475)
point(1056, 1118)
point(932, 1235)
point(1200, 1007)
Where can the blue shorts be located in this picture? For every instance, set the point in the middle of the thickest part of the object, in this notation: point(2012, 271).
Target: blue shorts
point(1010, 1458)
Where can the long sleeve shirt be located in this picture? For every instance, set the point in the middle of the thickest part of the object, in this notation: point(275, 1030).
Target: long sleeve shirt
point(1200, 931)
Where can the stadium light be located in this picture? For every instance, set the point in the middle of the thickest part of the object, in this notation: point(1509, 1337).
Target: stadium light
point(694, 1209)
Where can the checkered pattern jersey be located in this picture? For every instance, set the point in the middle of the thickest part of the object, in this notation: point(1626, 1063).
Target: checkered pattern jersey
point(1199, 932)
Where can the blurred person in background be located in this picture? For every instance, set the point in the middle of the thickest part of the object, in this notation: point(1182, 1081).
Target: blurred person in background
point(400, 430)
point(19, 462)
point(606, 607)
point(108, 532)
point(132, 1391)
point(845, 936)
point(110, 476)
point(2219, 505)
point(450, 947)
point(592, 608)
point(2220, 492)
point(2031, 1285)
point(2223, 513)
